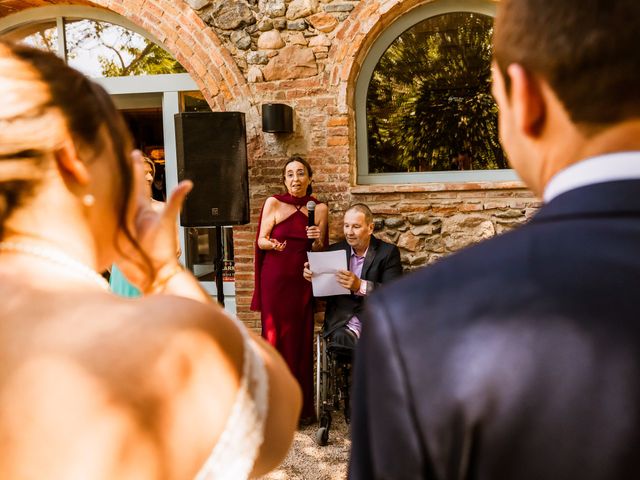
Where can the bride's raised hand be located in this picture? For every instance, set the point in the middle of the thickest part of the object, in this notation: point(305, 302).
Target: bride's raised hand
point(155, 231)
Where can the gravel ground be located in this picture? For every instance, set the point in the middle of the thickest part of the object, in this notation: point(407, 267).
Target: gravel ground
point(308, 461)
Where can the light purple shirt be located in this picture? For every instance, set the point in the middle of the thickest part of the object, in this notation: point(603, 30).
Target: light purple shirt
point(355, 266)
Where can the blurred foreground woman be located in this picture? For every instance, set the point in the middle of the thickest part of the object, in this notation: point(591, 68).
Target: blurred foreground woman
point(94, 386)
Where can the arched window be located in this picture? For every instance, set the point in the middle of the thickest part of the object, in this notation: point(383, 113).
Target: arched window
point(424, 107)
point(97, 47)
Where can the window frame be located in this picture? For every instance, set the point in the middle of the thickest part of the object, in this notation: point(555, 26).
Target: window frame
point(378, 49)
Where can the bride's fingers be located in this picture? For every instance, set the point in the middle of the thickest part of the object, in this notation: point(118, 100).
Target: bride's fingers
point(141, 191)
point(136, 155)
point(176, 199)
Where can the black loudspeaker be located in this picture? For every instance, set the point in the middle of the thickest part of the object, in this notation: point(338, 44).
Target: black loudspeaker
point(277, 117)
point(212, 153)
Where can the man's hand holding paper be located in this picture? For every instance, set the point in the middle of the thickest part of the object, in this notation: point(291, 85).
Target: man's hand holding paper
point(324, 267)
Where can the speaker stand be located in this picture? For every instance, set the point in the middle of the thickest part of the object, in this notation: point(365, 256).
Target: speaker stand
point(218, 265)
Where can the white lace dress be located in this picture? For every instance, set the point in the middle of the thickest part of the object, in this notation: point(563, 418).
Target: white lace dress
point(235, 453)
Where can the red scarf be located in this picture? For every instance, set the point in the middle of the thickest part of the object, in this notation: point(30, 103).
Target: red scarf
point(259, 254)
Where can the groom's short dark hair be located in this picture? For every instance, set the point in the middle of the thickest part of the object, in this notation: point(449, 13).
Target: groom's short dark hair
point(587, 50)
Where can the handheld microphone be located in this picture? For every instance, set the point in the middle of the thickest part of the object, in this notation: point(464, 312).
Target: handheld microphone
point(311, 208)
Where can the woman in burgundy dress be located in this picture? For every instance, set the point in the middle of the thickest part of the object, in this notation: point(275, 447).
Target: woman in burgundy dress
point(282, 295)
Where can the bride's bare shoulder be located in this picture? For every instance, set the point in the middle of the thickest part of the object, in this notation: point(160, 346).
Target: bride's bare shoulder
point(172, 316)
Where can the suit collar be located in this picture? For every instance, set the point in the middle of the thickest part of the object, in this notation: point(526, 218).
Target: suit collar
point(371, 254)
point(619, 198)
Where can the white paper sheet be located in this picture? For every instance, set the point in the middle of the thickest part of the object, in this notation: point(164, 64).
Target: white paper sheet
point(324, 266)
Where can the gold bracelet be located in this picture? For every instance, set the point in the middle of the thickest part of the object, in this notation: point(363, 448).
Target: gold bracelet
point(160, 283)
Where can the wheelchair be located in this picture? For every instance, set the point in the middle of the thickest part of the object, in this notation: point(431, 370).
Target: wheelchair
point(334, 360)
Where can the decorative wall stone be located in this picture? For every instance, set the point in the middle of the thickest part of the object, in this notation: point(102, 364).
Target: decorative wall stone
point(292, 62)
point(255, 74)
point(229, 14)
point(273, 8)
point(338, 7)
point(462, 230)
point(297, 25)
point(271, 40)
point(297, 38)
point(408, 241)
point(418, 219)
point(390, 237)
point(301, 8)
point(280, 23)
point(423, 230)
point(394, 222)
point(257, 58)
point(265, 24)
point(323, 22)
point(320, 41)
point(241, 39)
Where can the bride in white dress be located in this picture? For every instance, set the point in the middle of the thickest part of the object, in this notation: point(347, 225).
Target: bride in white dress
point(94, 386)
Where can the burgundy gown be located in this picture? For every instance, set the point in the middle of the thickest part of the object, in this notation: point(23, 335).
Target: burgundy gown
point(286, 302)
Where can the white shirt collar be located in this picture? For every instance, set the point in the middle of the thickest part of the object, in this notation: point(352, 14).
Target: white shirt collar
point(600, 169)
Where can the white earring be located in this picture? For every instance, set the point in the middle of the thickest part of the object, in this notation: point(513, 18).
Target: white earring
point(88, 200)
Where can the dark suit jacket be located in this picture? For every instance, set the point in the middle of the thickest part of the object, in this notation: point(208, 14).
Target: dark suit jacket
point(381, 264)
point(516, 359)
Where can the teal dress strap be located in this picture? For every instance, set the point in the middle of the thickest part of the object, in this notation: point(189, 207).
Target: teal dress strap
point(120, 285)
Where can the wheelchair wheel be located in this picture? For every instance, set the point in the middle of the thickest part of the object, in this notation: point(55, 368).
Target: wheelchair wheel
point(322, 436)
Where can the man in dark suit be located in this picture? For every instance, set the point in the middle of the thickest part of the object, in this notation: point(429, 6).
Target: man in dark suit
point(371, 262)
point(519, 358)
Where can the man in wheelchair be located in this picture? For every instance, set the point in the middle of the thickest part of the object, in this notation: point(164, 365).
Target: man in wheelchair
point(371, 262)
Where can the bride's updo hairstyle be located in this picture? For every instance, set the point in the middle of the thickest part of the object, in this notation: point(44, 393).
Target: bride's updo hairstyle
point(41, 97)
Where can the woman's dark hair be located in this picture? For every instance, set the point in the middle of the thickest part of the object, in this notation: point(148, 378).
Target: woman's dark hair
point(43, 87)
point(297, 158)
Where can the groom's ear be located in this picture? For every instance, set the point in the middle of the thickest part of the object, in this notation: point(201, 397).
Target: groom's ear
point(528, 103)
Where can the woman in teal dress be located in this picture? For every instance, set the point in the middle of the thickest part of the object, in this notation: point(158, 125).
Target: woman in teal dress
point(118, 282)
point(120, 285)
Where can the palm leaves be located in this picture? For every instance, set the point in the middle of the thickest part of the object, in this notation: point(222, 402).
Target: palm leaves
point(429, 102)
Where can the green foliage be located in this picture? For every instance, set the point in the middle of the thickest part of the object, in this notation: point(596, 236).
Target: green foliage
point(150, 60)
point(130, 53)
point(429, 103)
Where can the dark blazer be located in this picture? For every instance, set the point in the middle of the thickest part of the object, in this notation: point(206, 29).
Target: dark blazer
point(381, 264)
point(516, 359)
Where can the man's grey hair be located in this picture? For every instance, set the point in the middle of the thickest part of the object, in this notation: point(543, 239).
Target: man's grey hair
point(362, 208)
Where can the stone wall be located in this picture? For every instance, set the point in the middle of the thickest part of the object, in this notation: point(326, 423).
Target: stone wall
point(426, 229)
point(275, 39)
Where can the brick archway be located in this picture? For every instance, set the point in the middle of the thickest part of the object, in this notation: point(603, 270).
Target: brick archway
point(356, 35)
point(179, 29)
point(194, 44)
